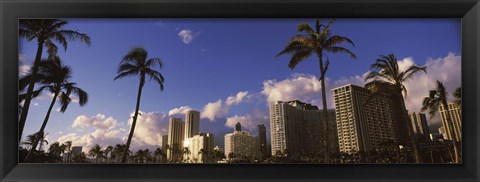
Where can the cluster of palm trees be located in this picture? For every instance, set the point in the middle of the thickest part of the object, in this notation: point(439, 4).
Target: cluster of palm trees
point(318, 40)
point(53, 76)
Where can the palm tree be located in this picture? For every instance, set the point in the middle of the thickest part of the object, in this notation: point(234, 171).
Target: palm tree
point(45, 32)
point(42, 141)
point(158, 154)
point(67, 146)
point(29, 141)
point(438, 97)
point(55, 149)
point(317, 41)
point(386, 71)
point(118, 151)
point(458, 96)
point(96, 152)
point(56, 80)
point(108, 151)
point(136, 63)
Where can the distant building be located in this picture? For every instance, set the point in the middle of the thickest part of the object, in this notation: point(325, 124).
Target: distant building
point(176, 129)
point(419, 125)
point(363, 126)
point(164, 143)
point(200, 148)
point(262, 142)
point(455, 124)
point(240, 145)
point(192, 123)
point(76, 150)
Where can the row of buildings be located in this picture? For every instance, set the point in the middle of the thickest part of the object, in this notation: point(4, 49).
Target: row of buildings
point(364, 119)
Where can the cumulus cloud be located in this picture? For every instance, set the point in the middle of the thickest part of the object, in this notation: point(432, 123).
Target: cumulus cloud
point(186, 35)
point(236, 99)
point(249, 121)
point(98, 121)
point(101, 137)
point(150, 127)
point(214, 110)
point(179, 111)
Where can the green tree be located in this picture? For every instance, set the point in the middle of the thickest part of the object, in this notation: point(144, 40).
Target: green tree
point(45, 32)
point(318, 41)
point(56, 80)
point(436, 98)
point(386, 71)
point(137, 63)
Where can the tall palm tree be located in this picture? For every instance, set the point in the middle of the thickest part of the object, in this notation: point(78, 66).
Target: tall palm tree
point(137, 63)
point(386, 71)
point(45, 32)
point(56, 80)
point(96, 152)
point(55, 150)
point(41, 141)
point(158, 154)
point(67, 147)
point(29, 141)
point(436, 98)
point(317, 41)
point(108, 153)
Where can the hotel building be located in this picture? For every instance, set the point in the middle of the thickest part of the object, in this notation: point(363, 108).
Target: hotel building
point(240, 143)
point(192, 123)
point(200, 148)
point(262, 142)
point(455, 123)
point(287, 128)
point(176, 129)
point(419, 125)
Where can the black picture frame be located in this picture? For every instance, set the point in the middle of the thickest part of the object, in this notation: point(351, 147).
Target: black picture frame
point(467, 10)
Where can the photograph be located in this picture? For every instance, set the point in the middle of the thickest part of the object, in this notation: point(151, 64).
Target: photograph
point(189, 91)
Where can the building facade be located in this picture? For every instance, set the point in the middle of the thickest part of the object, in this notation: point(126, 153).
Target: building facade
point(262, 142)
point(455, 124)
point(363, 125)
point(176, 129)
point(315, 135)
point(419, 125)
point(200, 148)
point(164, 143)
point(192, 123)
point(240, 145)
point(287, 128)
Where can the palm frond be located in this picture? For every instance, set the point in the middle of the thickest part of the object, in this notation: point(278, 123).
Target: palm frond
point(336, 49)
point(298, 57)
point(126, 73)
point(305, 27)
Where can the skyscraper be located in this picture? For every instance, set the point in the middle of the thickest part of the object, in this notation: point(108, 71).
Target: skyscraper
point(455, 123)
point(419, 125)
point(200, 148)
point(192, 123)
point(164, 142)
point(176, 129)
point(362, 126)
point(240, 145)
point(287, 128)
point(262, 141)
point(315, 130)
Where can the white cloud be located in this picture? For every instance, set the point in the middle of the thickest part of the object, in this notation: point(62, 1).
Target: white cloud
point(214, 110)
point(149, 128)
point(186, 35)
point(23, 68)
point(98, 121)
point(179, 111)
point(101, 137)
point(237, 99)
point(249, 121)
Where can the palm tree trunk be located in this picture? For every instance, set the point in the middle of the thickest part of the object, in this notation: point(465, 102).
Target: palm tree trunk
point(324, 105)
point(413, 139)
point(452, 131)
point(28, 97)
point(135, 116)
point(40, 133)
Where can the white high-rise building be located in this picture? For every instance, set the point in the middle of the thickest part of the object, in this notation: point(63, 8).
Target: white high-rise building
point(419, 125)
point(200, 148)
point(192, 123)
point(287, 128)
point(241, 144)
point(363, 126)
point(176, 129)
point(455, 121)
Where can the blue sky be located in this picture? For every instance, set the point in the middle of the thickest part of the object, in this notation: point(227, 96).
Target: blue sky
point(209, 60)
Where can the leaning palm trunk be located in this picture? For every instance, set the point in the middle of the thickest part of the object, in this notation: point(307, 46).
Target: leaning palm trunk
point(40, 133)
point(135, 116)
point(28, 98)
point(452, 131)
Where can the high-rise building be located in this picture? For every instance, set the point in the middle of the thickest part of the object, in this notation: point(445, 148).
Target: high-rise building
point(176, 129)
point(192, 123)
point(363, 125)
point(419, 125)
point(262, 142)
point(164, 143)
point(315, 130)
point(240, 145)
point(455, 124)
point(200, 148)
point(287, 128)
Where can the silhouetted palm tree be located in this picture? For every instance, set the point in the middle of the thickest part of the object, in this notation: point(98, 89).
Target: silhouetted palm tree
point(41, 141)
point(458, 96)
point(67, 147)
point(56, 80)
point(137, 63)
point(158, 154)
point(108, 153)
point(318, 41)
point(386, 71)
point(45, 32)
point(55, 149)
point(29, 141)
point(96, 152)
point(436, 98)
